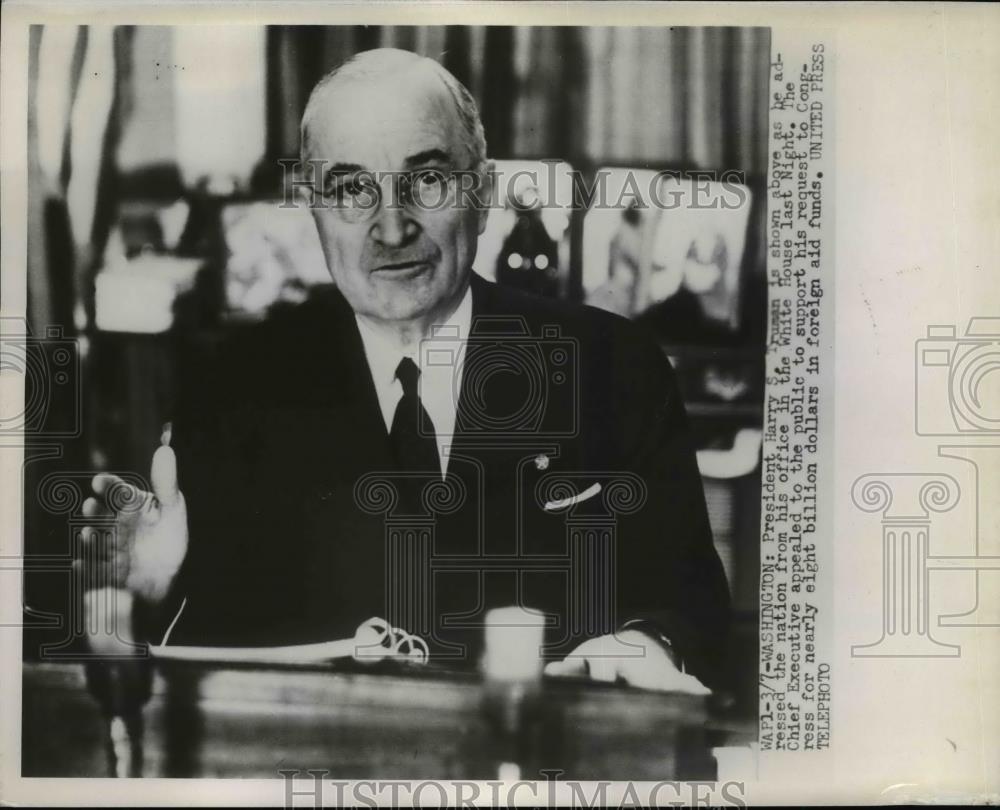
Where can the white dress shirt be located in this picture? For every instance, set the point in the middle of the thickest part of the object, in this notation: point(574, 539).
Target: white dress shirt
point(440, 382)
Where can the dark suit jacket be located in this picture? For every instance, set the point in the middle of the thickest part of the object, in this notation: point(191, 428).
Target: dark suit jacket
point(285, 464)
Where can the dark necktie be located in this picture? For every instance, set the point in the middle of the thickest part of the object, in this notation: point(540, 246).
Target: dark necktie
point(412, 436)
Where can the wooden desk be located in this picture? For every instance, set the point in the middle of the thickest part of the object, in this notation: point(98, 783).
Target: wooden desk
point(389, 724)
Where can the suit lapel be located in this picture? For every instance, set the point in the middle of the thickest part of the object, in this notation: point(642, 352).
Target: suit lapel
point(496, 394)
point(353, 434)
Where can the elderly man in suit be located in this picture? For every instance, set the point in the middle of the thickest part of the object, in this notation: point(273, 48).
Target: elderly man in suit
point(420, 442)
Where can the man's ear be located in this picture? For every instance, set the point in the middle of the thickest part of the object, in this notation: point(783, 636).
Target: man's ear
point(485, 195)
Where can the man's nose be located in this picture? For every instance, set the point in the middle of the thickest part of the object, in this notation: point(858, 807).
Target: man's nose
point(393, 225)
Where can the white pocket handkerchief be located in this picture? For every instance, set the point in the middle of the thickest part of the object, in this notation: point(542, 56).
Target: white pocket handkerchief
point(562, 503)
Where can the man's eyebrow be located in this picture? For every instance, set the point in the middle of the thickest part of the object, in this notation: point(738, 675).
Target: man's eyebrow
point(344, 168)
point(429, 156)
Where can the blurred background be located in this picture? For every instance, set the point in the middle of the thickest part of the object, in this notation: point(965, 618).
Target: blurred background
point(154, 228)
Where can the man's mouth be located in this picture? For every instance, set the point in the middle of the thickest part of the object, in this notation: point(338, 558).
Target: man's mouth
point(403, 269)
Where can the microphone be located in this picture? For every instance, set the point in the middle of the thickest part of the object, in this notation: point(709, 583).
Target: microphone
point(512, 668)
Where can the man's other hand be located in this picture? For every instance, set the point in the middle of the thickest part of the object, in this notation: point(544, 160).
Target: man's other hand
point(150, 540)
point(631, 656)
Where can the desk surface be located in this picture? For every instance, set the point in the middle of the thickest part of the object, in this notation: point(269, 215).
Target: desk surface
point(390, 723)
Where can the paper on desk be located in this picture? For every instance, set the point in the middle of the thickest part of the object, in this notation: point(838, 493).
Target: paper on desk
point(374, 640)
point(297, 653)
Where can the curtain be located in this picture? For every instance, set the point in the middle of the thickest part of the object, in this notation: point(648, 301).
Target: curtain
point(73, 116)
point(684, 97)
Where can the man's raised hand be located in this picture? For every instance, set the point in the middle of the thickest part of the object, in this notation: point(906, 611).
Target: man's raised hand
point(150, 537)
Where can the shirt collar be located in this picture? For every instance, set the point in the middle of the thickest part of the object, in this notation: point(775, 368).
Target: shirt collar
point(384, 354)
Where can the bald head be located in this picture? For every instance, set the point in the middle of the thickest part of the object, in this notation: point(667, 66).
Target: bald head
point(385, 66)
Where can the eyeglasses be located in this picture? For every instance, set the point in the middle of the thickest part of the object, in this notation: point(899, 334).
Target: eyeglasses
point(357, 196)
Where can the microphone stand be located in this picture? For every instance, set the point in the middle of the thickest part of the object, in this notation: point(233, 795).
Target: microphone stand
point(119, 676)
